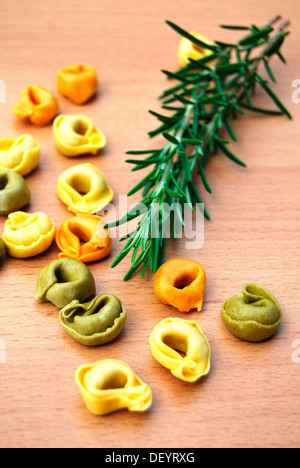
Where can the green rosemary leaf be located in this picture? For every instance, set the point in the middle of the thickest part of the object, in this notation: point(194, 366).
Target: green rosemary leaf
point(175, 76)
point(180, 98)
point(250, 104)
point(203, 177)
point(174, 108)
point(143, 152)
point(230, 129)
point(230, 68)
point(189, 36)
point(140, 185)
point(199, 64)
point(211, 99)
point(138, 263)
point(260, 110)
point(237, 28)
point(173, 194)
point(162, 118)
point(281, 57)
point(186, 164)
point(172, 90)
point(198, 199)
point(269, 71)
point(256, 36)
point(230, 155)
point(166, 126)
point(179, 189)
point(273, 96)
point(192, 141)
point(275, 45)
point(170, 138)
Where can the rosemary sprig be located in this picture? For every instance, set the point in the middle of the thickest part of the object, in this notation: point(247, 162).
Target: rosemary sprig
point(209, 92)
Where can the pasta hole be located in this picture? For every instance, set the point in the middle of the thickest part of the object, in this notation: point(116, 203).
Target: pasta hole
point(3, 181)
point(116, 380)
point(184, 281)
point(33, 98)
point(81, 184)
point(80, 128)
point(177, 343)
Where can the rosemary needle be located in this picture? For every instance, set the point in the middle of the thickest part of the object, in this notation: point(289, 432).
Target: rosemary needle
point(202, 103)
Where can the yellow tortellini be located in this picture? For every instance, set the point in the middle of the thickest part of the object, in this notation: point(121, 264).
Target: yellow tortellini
point(84, 189)
point(76, 135)
point(181, 346)
point(19, 154)
point(26, 235)
point(111, 385)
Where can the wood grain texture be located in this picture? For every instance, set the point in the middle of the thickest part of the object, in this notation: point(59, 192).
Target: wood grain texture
point(252, 396)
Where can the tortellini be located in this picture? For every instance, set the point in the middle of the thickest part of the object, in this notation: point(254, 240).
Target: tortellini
point(78, 83)
point(181, 346)
point(181, 283)
point(84, 189)
point(26, 235)
point(14, 193)
point(83, 238)
point(19, 154)
point(96, 322)
point(36, 104)
point(253, 315)
point(76, 135)
point(63, 281)
point(111, 385)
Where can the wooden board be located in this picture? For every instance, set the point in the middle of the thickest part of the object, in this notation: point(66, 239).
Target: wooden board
point(251, 398)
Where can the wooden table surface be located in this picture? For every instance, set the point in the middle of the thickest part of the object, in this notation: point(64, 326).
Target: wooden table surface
point(252, 396)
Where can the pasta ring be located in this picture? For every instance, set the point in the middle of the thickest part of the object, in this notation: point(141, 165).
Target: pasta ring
point(84, 189)
point(173, 336)
point(83, 238)
point(111, 385)
point(181, 283)
point(76, 135)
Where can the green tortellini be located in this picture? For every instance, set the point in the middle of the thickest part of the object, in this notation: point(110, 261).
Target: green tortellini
point(253, 315)
point(14, 193)
point(64, 281)
point(2, 247)
point(96, 322)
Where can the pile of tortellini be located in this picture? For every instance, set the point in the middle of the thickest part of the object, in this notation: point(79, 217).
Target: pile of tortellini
point(92, 320)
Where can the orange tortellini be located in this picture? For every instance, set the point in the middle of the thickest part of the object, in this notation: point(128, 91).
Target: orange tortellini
point(84, 189)
point(111, 385)
point(78, 83)
point(76, 135)
point(83, 238)
point(181, 346)
point(26, 235)
point(38, 105)
point(19, 154)
point(181, 283)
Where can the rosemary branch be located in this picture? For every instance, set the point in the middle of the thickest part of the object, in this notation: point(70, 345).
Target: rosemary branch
point(210, 92)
